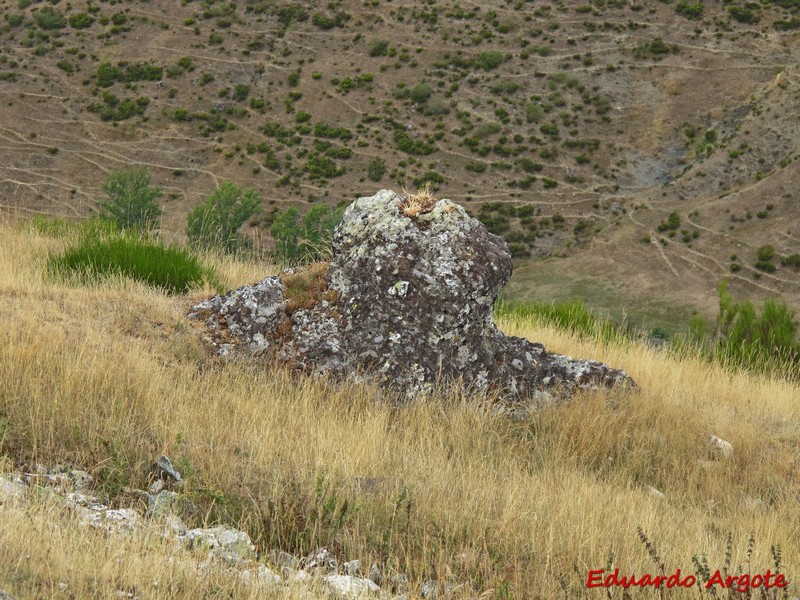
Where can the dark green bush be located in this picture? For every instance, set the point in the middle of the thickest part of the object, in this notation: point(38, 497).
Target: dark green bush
point(793, 260)
point(489, 60)
point(411, 146)
point(378, 47)
point(376, 169)
point(49, 18)
point(131, 200)
point(672, 223)
point(746, 339)
point(215, 224)
point(81, 21)
point(302, 241)
point(420, 92)
point(766, 266)
point(241, 91)
point(765, 253)
point(171, 269)
point(744, 14)
point(691, 10)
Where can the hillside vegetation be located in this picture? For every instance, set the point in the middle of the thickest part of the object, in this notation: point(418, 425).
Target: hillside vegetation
point(574, 129)
point(107, 376)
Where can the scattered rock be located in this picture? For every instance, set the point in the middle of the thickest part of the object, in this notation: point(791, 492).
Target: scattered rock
point(261, 575)
point(250, 314)
point(352, 568)
point(285, 561)
point(375, 575)
point(721, 447)
point(163, 467)
point(754, 505)
point(709, 466)
point(406, 302)
point(223, 542)
point(346, 586)
point(96, 514)
point(61, 479)
point(400, 584)
point(655, 493)
point(12, 488)
point(156, 487)
point(5, 595)
point(162, 504)
point(428, 590)
point(321, 560)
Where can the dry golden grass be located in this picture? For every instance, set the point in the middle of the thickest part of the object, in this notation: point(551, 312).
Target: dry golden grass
point(419, 202)
point(108, 377)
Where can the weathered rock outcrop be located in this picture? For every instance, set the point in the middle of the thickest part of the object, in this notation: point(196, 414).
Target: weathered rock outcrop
point(407, 301)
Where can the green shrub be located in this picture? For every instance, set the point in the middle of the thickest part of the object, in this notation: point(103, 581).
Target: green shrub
point(655, 49)
point(672, 223)
point(788, 24)
point(690, 10)
point(766, 266)
point(549, 182)
point(793, 260)
point(744, 14)
point(241, 91)
point(746, 339)
point(215, 224)
point(376, 169)
point(475, 166)
point(378, 47)
point(302, 241)
point(171, 269)
point(322, 167)
point(765, 253)
point(49, 18)
point(291, 14)
point(420, 92)
point(573, 316)
point(534, 112)
point(132, 200)
point(411, 146)
point(329, 22)
point(66, 66)
point(489, 60)
point(81, 21)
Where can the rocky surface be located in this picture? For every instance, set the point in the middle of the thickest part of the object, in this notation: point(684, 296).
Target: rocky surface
point(406, 301)
point(315, 576)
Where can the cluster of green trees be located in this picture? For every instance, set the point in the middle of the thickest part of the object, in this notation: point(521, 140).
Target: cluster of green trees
point(132, 204)
point(215, 224)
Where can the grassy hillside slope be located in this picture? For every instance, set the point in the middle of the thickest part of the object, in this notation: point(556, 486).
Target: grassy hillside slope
point(108, 377)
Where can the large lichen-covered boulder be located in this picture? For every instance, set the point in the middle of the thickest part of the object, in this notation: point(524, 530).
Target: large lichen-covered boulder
point(406, 301)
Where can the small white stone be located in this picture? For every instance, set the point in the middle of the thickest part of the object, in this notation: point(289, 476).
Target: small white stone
point(721, 446)
point(350, 587)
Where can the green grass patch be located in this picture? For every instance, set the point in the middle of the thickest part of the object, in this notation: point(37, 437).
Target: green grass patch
point(95, 256)
point(572, 316)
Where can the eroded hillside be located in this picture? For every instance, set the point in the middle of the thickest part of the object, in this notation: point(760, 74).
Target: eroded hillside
point(573, 129)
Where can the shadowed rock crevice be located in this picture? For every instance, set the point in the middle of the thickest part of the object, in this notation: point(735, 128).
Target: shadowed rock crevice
point(407, 302)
